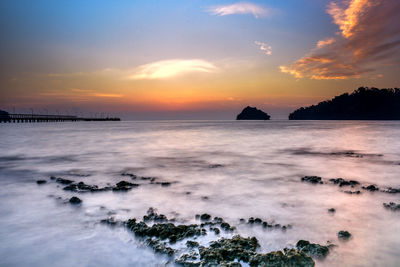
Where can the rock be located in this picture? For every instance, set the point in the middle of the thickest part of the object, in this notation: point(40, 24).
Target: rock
point(153, 216)
point(392, 206)
point(133, 176)
point(344, 235)
point(226, 226)
point(164, 231)
point(192, 244)
point(110, 221)
point(257, 220)
point(312, 179)
point(81, 187)
point(75, 200)
point(391, 190)
point(227, 250)
point(213, 166)
point(331, 210)
point(287, 258)
point(41, 182)
point(205, 217)
point(371, 188)
point(313, 250)
point(63, 181)
point(216, 230)
point(352, 192)
point(188, 260)
point(342, 182)
point(250, 113)
point(223, 252)
point(160, 247)
point(124, 186)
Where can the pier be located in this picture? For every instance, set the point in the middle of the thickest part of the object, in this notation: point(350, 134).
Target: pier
point(20, 118)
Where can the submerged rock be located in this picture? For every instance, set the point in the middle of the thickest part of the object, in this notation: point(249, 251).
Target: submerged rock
point(250, 113)
point(342, 182)
point(264, 224)
point(313, 250)
point(75, 200)
point(370, 188)
point(153, 216)
point(392, 206)
point(344, 235)
point(357, 192)
point(81, 187)
point(63, 181)
point(41, 182)
point(391, 190)
point(312, 179)
point(124, 186)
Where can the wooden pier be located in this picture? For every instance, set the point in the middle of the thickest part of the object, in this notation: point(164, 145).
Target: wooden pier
point(18, 118)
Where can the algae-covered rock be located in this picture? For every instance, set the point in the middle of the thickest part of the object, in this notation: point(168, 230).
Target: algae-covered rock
point(313, 250)
point(165, 230)
point(192, 244)
point(287, 258)
point(227, 250)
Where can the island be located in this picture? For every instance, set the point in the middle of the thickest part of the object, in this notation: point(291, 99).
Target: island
point(363, 104)
point(250, 113)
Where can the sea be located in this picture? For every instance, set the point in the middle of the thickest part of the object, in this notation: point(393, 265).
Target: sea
point(230, 169)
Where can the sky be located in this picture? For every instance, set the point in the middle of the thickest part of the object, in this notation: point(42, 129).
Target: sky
point(192, 59)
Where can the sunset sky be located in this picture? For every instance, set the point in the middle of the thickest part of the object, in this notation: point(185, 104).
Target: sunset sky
point(192, 59)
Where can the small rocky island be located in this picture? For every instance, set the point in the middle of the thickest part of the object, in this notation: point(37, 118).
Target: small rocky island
point(363, 104)
point(250, 113)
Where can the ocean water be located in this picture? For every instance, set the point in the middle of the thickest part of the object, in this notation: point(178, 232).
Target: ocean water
point(229, 169)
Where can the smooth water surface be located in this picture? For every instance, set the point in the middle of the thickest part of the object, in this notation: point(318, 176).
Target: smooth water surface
point(226, 168)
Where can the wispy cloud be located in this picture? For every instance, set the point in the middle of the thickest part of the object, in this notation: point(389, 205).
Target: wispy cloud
point(107, 95)
point(325, 42)
point(239, 8)
point(170, 68)
point(369, 35)
point(266, 48)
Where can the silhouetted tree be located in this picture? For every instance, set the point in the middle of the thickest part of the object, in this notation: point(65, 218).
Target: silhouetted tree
point(363, 104)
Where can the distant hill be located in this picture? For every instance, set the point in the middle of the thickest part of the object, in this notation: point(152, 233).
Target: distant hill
point(250, 113)
point(363, 104)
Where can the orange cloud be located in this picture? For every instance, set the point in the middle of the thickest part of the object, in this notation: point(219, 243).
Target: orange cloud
point(325, 42)
point(170, 68)
point(369, 36)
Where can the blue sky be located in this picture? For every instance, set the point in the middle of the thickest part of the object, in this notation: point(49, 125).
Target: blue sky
point(90, 45)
